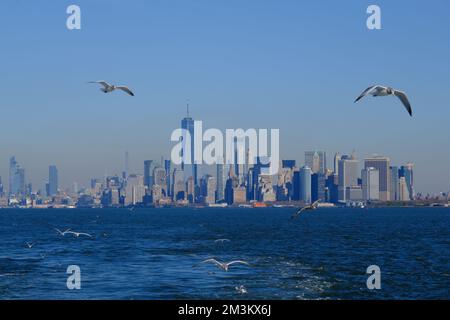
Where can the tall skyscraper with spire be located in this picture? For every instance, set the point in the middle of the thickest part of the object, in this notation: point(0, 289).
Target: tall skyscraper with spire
point(188, 165)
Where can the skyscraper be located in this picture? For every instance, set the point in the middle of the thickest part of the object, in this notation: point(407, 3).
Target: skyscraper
point(370, 184)
point(135, 189)
point(337, 157)
point(407, 172)
point(1, 187)
point(16, 179)
point(318, 185)
point(188, 165)
point(52, 181)
point(403, 188)
point(167, 165)
point(316, 161)
point(305, 184)
point(395, 184)
point(382, 164)
point(159, 178)
point(148, 173)
point(348, 175)
point(221, 180)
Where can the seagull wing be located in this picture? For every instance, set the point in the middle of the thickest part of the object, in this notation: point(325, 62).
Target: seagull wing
point(366, 92)
point(315, 204)
point(299, 211)
point(213, 261)
point(404, 99)
point(102, 82)
point(85, 234)
point(126, 89)
point(238, 262)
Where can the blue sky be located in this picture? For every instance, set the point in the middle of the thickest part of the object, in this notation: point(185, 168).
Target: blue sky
point(292, 65)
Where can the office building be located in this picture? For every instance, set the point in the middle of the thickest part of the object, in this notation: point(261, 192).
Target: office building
point(370, 184)
point(382, 164)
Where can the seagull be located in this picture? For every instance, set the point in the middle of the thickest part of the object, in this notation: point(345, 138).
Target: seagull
point(241, 289)
point(222, 240)
point(110, 88)
point(312, 206)
point(77, 234)
point(29, 245)
point(63, 233)
point(380, 91)
point(225, 265)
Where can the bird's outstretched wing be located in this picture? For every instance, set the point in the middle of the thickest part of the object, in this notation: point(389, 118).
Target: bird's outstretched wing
point(217, 263)
point(404, 99)
point(126, 89)
point(315, 204)
point(85, 234)
point(299, 211)
point(366, 92)
point(102, 82)
point(238, 262)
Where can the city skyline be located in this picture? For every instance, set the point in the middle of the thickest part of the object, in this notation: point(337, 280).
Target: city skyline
point(248, 65)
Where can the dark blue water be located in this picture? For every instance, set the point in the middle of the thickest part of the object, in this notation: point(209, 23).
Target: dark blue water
point(156, 253)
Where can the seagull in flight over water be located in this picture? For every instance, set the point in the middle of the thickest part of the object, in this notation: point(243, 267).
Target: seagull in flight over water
point(225, 265)
point(62, 233)
point(312, 206)
point(77, 234)
point(110, 87)
point(381, 91)
point(29, 245)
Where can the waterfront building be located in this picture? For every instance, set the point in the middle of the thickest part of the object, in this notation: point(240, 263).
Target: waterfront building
point(305, 184)
point(370, 184)
point(382, 164)
point(348, 175)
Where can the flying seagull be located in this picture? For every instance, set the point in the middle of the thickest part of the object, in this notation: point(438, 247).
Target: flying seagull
point(225, 265)
point(110, 88)
point(381, 91)
point(29, 245)
point(77, 234)
point(312, 206)
point(62, 233)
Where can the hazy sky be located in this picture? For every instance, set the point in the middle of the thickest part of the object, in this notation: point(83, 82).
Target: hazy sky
point(292, 65)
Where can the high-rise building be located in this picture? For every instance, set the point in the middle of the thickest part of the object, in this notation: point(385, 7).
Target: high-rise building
point(348, 175)
point(148, 173)
point(394, 185)
point(179, 185)
point(370, 184)
point(167, 165)
point(159, 178)
point(337, 157)
point(52, 181)
point(1, 188)
point(221, 180)
point(188, 165)
point(135, 189)
point(305, 184)
point(403, 187)
point(318, 186)
point(382, 164)
point(316, 161)
point(407, 172)
point(208, 189)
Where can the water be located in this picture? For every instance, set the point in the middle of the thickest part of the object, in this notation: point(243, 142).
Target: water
point(156, 253)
